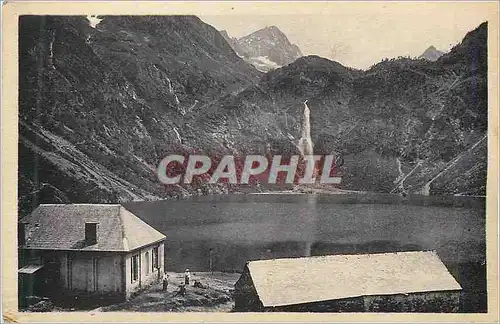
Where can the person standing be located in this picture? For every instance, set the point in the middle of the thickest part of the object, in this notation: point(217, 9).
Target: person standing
point(165, 282)
point(187, 277)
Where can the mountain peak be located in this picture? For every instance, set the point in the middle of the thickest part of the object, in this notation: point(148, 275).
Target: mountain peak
point(271, 32)
point(272, 27)
point(431, 54)
point(267, 48)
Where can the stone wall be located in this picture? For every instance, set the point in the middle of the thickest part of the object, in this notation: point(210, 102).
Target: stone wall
point(146, 274)
point(427, 302)
point(245, 295)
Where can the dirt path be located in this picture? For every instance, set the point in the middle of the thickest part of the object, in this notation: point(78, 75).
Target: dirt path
point(217, 297)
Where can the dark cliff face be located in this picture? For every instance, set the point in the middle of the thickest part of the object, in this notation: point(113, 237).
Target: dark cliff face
point(100, 107)
point(398, 125)
point(233, 42)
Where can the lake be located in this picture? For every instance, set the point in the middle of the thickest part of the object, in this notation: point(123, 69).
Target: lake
point(227, 231)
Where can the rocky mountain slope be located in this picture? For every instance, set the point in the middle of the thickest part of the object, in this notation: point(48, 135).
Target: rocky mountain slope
point(266, 49)
point(431, 54)
point(409, 126)
point(100, 105)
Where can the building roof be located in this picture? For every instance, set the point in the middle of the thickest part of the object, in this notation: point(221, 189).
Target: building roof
point(30, 268)
point(280, 282)
point(62, 227)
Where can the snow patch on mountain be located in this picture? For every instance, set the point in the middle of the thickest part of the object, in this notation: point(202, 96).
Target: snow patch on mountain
point(263, 63)
point(93, 20)
point(266, 49)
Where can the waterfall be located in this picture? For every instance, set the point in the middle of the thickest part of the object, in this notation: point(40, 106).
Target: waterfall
point(305, 142)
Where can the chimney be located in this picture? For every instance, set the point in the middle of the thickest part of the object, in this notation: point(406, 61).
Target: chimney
point(90, 233)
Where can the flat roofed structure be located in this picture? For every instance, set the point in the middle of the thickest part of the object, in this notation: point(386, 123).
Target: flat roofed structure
point(295, 281)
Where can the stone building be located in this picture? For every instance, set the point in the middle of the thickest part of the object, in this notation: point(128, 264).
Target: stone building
point(385, 282)
point(87, 251)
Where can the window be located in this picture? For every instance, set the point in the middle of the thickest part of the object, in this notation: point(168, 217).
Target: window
point(155, 258)
point(90, 233)
point(135, 267)
point(147, 262)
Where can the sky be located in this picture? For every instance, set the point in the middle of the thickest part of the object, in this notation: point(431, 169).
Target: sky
point(362, 34)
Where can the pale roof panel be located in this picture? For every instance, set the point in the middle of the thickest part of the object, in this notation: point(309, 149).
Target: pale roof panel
point(302, 280)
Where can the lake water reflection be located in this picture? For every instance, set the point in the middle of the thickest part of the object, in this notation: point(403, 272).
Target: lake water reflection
point(236, 228)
